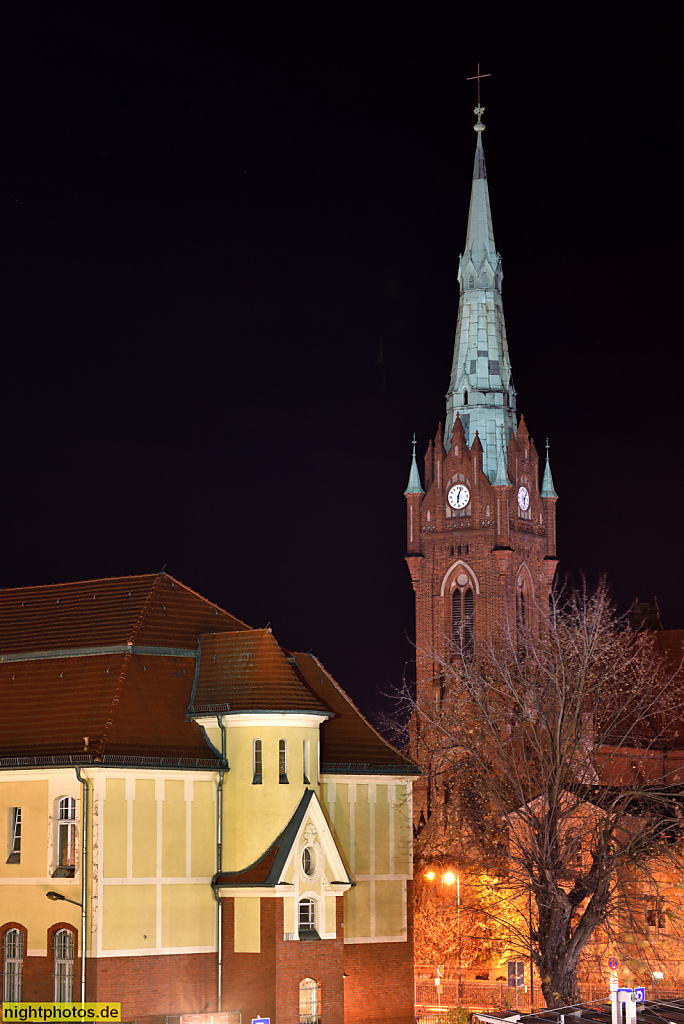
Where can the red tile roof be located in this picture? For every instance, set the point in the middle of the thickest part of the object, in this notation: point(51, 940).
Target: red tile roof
point(257, 874)
point(349, 743)
point(127, 705)
point(250, 671)
point(153, 611)
point(131, 702)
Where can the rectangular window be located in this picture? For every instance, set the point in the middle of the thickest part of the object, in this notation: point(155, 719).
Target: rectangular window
point(257, 764)
point(282, 762)
point(305, 762)
point(655, 914)
point(66, 838)
point(14, 837)
point(307, 915)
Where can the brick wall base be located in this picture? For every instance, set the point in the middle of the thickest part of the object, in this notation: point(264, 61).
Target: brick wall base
point(360, 984)
point(378, 988)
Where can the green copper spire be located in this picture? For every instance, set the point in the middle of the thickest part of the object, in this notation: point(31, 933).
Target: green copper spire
point(414, 485)
point(547, 490)
point(481, 388)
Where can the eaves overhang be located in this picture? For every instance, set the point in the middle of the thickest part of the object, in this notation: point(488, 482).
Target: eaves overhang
point(205, 710)
point(360, 768)
point(44, 761)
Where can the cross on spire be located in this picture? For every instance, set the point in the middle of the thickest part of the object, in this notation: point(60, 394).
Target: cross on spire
point(478, 76)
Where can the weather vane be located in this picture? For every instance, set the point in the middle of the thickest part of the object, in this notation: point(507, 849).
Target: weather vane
point(472, 78)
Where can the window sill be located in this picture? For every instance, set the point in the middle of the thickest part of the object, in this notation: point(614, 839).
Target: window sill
point(64, 871)
point(309, 935)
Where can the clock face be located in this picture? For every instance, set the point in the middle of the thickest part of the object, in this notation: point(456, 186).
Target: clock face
point(458, 496)
point(523, 498)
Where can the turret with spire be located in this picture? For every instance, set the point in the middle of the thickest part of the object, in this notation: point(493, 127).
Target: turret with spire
point(481, 387)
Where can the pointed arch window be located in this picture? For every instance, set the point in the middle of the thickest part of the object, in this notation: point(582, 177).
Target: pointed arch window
point(12, 965)
point(465, 397)
point(522, 611)
point(485, 281)
point(471, 281)
point(463, 621)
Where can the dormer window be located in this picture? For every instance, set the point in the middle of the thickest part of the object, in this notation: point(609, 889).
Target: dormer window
point(485, 281)
point(471, 281)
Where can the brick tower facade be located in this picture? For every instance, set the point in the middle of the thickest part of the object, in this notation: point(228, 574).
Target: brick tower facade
point(481, 535)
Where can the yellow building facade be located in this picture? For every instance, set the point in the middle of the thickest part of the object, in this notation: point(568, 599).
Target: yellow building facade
point(247, 836)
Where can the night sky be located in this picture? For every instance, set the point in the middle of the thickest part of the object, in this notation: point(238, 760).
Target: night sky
point(229, 243)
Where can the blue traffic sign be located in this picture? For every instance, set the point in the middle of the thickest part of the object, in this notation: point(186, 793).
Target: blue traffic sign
point(640, 995)
point(261, 1020)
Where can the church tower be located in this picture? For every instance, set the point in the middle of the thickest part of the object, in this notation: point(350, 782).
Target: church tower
point(481, 535)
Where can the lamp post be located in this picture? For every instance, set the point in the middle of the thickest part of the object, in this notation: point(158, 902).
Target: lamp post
point(460, 959)
point(58, 896)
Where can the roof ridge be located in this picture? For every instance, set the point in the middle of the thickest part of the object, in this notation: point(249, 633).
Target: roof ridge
point(96, 579)
point(114, 706)
point(206, 600)
point(308, 654)
point(144, 609)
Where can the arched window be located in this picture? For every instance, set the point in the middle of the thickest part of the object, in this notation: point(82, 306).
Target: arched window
point(305, 762)
point(471, 281)
point(66, 838)
point(63, 970)
point(12, 965)
point(465, 397)
point(463, 621)
point(309, 1001)
point(485, 281)
point(257, 766)
point(307, 919)
point(282, 762)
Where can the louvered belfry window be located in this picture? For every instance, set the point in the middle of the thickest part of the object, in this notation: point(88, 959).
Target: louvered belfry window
point(463, 621)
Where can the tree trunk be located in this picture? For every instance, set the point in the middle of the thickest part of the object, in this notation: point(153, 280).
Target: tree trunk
point(559, 981)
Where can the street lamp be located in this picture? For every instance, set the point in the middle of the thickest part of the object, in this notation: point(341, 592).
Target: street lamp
point(58, 896)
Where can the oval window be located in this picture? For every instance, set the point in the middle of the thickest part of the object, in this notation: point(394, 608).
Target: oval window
point(308, 861)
